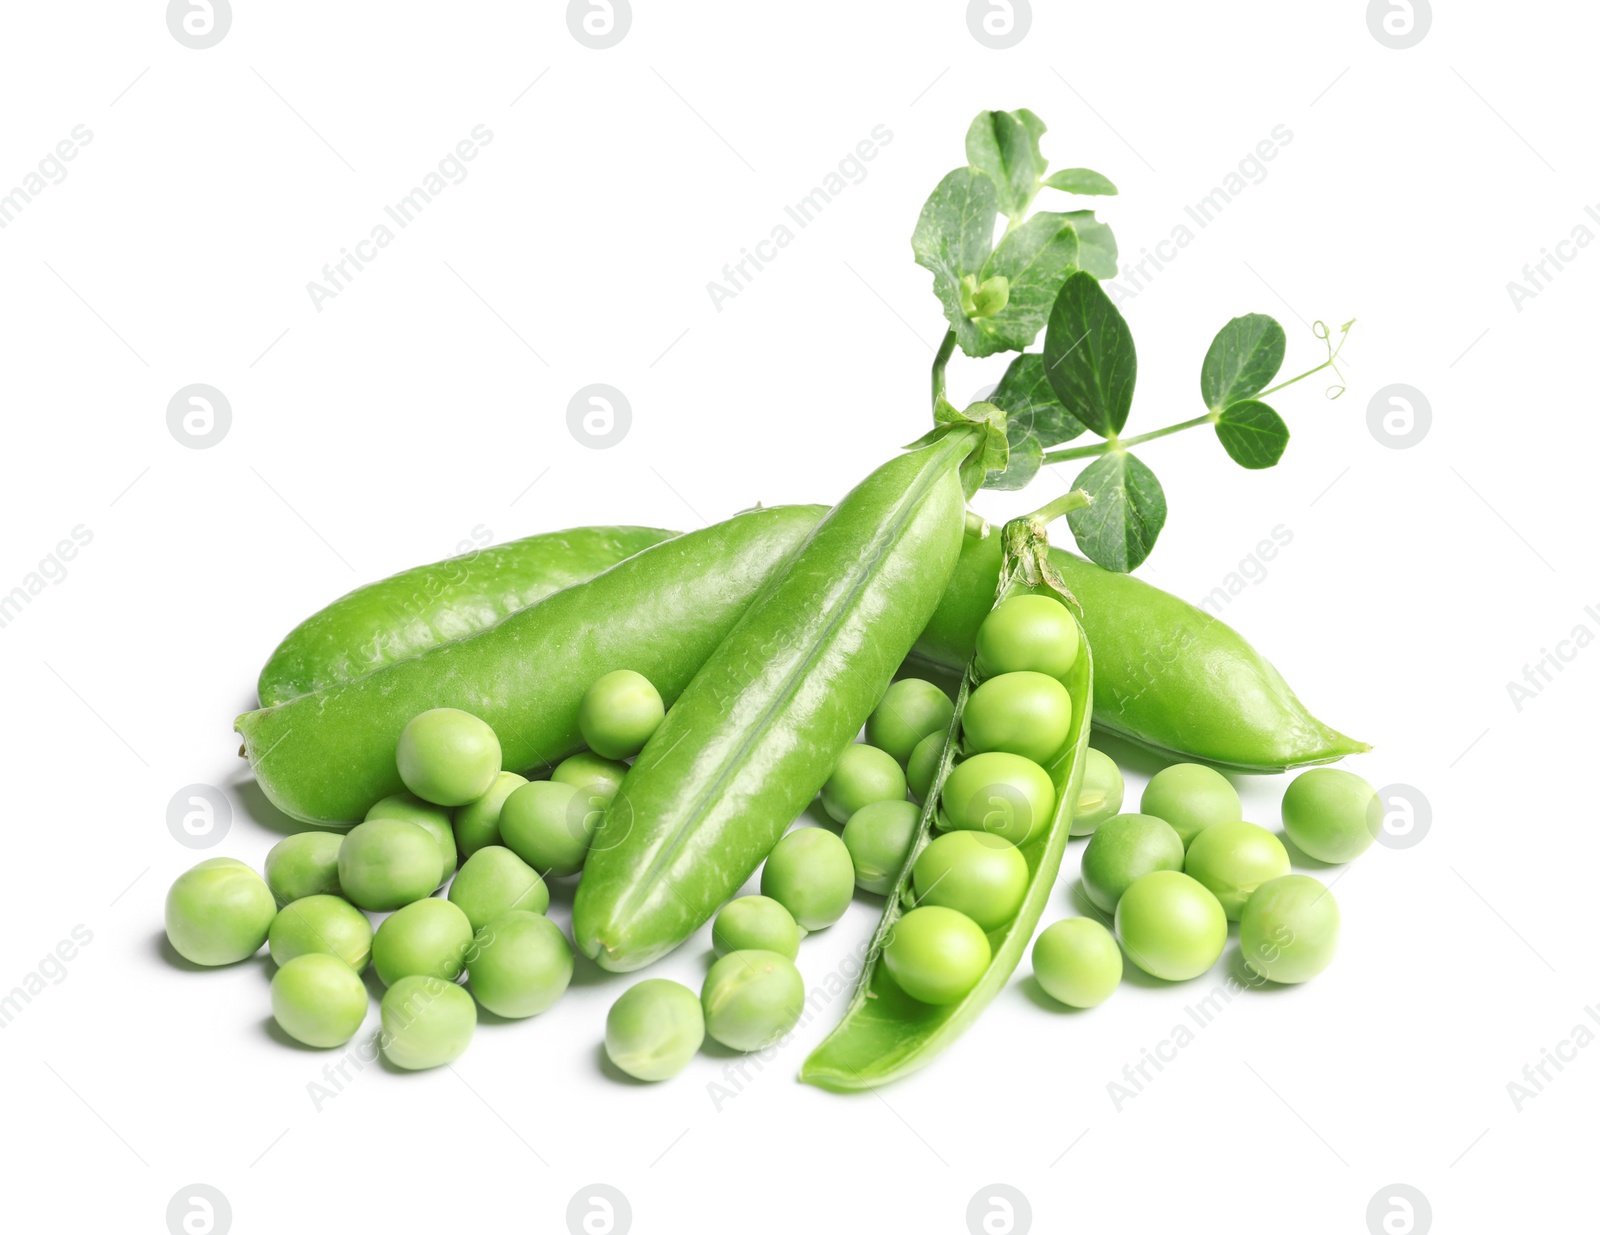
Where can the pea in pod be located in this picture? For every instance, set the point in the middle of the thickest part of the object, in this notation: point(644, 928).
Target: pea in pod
point(885, 1033)
point(1167, 675)
point(408, 613)
point(762, 726)
point(327, 756)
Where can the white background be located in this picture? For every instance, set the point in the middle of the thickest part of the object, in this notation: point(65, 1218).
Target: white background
point(426, 399)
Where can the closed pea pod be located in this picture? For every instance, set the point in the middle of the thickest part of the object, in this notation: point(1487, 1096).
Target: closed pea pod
point(328, 756)
point(408, 613)
point(1170, 676)
point(889, 1030)
point(753, 738)
point(1167, 674)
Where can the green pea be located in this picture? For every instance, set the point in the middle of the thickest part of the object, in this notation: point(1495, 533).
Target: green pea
point(936, 955)
point(434, 820)
point(1100, 795)
point(494, 881)
point(755, 922)
point(810, 874)
point(999, 793)
point(318, 1000)
point(427, 1022)
point(863, 775)
point(587, 769)
point(618, 714)
point(1289, 929)
point(879, 837)
point(549, 825)
point(218, 912)
point(1028, 633)
point(386, 863)
point(321, 923)
point(751, 998)
point(910, 710)
point(924, 765)
point(448, 757)
point(1232, 860)
point(520, 964)
point(982, 876)
point(1023, 713)
point(1191, 797)
point(477, 824)
point(1077, 962)
point(304, 864)
point(1332, 814)
point(654, 1029)
point(1171, 926)
point(1126, 848)
point(429, 937)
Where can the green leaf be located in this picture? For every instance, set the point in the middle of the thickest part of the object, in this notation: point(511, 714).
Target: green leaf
point(1032, 409)
point(1089, 357)
point(1252, 433)
point(1005, 147)
point(1022, 465)
point(1246, 354)
point(954, 235)
point(1035, 258)
point(1082, 181)
point(1097, 247)
point(1119, 528)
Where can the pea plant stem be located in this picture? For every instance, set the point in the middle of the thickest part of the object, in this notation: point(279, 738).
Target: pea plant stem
point(1076, 499)
point(941, 359)
point(1116, 443)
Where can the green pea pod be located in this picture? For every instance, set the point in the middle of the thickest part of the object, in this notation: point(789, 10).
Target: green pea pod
point(326, 757)
point(1167, 675)
point(1171, 676)
point(763, 724)
point(408, 613)
point(885, 1033)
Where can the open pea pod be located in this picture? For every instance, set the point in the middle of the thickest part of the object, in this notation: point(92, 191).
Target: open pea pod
point(885, 1033)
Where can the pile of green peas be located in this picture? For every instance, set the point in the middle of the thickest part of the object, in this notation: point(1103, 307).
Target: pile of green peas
point(1176, 874)
point(506, 834)
point(1171, 877)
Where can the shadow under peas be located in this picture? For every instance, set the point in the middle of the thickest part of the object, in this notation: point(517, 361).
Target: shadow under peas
point(261, 811)
point(1130, 757)
point(162, 947)
point(1039, 998)
point(586, 972)
point(613, 1073)
point(1299, 857)
point(1240, 973)
point(275, 1031)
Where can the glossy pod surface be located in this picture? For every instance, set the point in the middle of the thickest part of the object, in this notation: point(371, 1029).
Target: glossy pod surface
point(885, 1033)
point(1167, 675)
point(762, 726)
point(408, 613)
point(328, 756)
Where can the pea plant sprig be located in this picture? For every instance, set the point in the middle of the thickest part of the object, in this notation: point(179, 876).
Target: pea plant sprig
point(1045, 274)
